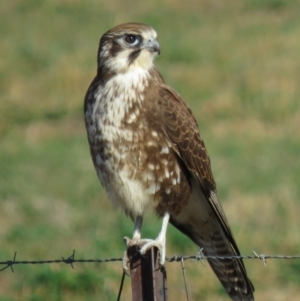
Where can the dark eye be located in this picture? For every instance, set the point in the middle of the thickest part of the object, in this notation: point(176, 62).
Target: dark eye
point(132, 39)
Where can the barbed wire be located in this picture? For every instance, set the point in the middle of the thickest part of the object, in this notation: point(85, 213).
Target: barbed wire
point(176, 258)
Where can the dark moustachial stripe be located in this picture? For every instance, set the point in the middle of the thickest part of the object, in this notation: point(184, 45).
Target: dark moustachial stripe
point(133, 56)
point(115, 48)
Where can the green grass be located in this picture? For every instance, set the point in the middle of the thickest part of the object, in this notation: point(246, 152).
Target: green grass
point(237, 66)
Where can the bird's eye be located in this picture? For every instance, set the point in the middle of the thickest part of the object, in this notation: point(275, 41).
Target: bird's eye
point(131, 39)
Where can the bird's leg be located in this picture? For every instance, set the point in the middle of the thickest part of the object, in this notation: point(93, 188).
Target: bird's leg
point(159, 242)
point(137, 229)
point(146, 244)
point(136, 238)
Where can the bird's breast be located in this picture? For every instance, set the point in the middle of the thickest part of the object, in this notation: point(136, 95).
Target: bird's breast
point(133, 158)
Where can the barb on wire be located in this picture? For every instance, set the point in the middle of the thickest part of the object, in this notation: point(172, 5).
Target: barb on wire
point(199, 256)
point(177, 258)
point(70, 259)
point(262, 257)
point(9, 263)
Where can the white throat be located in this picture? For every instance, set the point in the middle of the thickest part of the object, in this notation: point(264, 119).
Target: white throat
point(120, 94)
point(120, 64)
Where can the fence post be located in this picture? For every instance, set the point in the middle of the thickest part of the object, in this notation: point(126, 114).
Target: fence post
point(148, 279)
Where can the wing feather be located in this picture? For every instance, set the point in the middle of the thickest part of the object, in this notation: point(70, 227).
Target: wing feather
point(181, 128)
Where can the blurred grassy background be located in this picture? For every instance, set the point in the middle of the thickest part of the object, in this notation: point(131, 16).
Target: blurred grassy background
point(237, 65)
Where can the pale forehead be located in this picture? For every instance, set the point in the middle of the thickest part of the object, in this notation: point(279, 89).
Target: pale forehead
point(149, 33)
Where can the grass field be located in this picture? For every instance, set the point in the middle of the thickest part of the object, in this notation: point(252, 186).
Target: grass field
point(236, 63)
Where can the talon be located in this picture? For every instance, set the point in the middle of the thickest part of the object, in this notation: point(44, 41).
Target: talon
point(128, 241)
point(146, 244)
point(158, 243)
point(125, 262)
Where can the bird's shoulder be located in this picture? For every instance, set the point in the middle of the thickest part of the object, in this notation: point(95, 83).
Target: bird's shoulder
point(179, 125)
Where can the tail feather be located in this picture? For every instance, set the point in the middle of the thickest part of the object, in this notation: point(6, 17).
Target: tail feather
point(204, 221)
point(231, 272)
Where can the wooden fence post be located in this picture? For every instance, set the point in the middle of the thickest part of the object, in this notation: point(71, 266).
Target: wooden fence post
point(148, 279)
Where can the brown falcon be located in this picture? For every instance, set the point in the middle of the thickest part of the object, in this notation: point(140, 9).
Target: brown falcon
point(148, 152)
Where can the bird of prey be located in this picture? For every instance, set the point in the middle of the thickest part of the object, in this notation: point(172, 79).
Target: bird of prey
point(148, 153)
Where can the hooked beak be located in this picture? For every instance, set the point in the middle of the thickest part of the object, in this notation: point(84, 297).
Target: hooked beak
point(152, 45)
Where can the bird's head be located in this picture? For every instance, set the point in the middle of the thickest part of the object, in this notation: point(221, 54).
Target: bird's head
point(127, 47)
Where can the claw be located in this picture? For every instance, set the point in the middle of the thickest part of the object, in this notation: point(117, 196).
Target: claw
point(125, 263)
point(125, 260)
point(145, 244)
point(158, 243)
point(129, 242)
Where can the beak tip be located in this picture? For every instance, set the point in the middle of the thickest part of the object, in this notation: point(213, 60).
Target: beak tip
point(153, 46)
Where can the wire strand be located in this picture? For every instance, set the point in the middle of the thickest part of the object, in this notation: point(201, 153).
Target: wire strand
point(176, 258)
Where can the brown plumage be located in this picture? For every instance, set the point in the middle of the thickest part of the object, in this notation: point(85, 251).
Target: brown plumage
point(148, 152)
